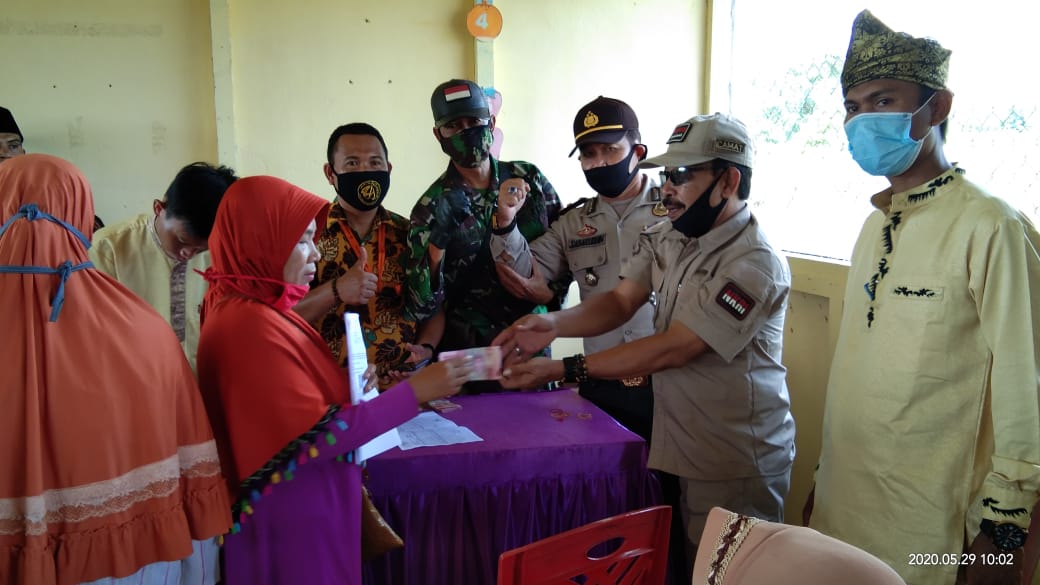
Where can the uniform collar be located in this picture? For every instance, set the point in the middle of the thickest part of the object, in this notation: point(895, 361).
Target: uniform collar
point(925, 193)
point(719, 235)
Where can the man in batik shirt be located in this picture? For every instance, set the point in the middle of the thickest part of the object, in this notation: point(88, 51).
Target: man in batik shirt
point(452, 270)
point(362, 245)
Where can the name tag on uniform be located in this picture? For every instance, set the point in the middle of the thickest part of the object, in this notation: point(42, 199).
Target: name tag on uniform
point(586, 242)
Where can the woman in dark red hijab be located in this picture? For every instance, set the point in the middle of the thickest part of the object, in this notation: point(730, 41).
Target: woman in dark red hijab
point(280, 403)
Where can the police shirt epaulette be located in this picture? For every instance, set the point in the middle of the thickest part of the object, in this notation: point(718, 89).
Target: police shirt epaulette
point(575, 205)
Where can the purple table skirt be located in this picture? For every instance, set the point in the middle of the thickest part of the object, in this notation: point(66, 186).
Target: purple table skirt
point(458, 507)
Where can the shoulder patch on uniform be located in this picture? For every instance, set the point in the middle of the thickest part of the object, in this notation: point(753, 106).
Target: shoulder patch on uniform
point(736, 302)
point(586, 242)
point(579, 203)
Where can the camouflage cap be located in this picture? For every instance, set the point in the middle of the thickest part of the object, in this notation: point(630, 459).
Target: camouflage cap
point(878, 52)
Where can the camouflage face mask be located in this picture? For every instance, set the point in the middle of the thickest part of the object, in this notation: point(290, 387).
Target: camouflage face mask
point(468, 148)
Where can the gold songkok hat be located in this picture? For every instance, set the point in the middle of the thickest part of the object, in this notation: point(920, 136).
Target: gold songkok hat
point(878, 52)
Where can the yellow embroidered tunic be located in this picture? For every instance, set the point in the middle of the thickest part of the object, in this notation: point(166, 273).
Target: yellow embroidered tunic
point(130, 252)
point(932, 419)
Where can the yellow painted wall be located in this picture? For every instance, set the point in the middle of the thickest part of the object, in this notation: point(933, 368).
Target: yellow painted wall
point(810, 333)
point(296, 74)
point(302, 68)
point(288, 73)
point(553, 57)
point(122, 88)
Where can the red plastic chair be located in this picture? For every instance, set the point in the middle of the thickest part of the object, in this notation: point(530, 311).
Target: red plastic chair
point(572, 557)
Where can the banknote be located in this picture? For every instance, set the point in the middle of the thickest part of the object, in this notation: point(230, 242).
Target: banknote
point(487, 361)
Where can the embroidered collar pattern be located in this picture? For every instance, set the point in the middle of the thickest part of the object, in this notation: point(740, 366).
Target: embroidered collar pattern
point(898, 205)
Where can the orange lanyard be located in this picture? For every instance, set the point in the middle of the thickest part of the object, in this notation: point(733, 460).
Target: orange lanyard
point(380, 249)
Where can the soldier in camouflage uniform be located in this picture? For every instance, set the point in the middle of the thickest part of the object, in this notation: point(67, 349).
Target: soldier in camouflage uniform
point(451, 273)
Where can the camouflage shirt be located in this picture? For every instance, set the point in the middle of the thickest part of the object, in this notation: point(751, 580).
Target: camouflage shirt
point(457, 218)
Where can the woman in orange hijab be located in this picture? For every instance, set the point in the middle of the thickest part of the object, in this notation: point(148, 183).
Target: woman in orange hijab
point(280, 402)
point(108, 467)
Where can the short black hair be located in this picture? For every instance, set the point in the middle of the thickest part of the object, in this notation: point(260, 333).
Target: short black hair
point(926, 94)
point(744, 189)
point(195, 194)
point(356, 129)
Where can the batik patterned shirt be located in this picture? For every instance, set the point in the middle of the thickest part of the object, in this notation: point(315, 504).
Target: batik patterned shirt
point(386, 329)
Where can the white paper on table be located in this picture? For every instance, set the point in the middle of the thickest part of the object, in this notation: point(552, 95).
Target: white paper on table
point(357, 364)
point(430, 429)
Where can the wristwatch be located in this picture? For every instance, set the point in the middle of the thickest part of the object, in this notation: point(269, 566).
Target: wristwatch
point(1005, 536)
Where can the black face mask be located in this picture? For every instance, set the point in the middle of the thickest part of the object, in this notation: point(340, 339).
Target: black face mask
point(363, 190)
point(700, 215)
point(611, 180)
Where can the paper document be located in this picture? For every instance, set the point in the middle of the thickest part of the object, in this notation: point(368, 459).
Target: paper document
point(430, 429)
point(357, 364)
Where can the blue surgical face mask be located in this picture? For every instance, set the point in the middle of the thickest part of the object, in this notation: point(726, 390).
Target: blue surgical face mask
point(880, 141)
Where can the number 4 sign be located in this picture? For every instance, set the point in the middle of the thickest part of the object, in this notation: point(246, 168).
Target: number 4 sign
point(484, 21)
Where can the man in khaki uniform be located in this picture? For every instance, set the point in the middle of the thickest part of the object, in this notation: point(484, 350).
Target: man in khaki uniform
point(589, 242)
point(722, 419)
point(931, 431)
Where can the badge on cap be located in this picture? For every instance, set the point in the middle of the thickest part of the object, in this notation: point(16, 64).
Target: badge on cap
point(736, 302)
point(591, 119)
point(369, 191)
point(680, 132)
point(456, 92)
point(729, 146)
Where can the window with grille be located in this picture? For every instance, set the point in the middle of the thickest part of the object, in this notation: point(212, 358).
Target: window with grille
point(777, 67)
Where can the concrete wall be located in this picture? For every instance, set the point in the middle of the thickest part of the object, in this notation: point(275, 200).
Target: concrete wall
point(122, 89)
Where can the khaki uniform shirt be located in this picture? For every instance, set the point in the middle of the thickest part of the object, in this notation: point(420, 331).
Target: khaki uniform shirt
point(726, 414)
point(130, 252)
point(589, 244)
point(932, 419)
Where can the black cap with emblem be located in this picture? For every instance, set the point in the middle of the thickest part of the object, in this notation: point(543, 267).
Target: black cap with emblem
point(458, 98)
point(604, 120)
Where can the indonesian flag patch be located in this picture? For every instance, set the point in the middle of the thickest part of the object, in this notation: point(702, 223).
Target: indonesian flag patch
point(456, 92)
point(736, 302)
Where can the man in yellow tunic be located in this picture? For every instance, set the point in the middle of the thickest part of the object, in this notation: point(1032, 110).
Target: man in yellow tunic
point(931, 433)
point(156, 254)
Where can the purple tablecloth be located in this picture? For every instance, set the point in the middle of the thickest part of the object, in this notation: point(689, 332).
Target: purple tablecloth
point(458, 507)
